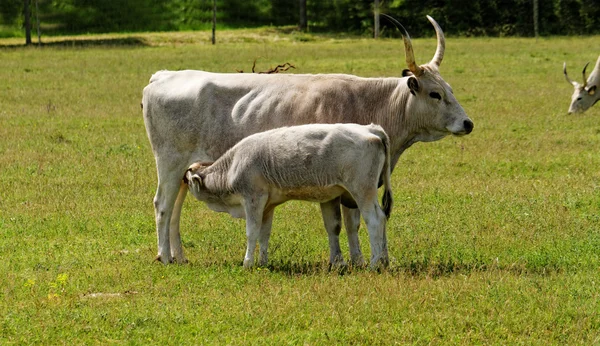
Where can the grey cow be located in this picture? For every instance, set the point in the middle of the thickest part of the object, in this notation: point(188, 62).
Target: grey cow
point(316, 162)
point(193, 116)
point(585, 95)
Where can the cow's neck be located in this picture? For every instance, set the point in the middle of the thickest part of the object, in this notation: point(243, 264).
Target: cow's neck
point(396, 121)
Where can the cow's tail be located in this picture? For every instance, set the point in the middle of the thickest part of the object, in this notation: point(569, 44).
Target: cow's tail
point(387, 200)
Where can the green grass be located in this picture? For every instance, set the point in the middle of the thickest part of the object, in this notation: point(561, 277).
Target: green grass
point(495, 237)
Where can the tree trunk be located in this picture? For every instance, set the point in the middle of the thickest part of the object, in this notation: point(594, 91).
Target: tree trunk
point(27, 23)
point(303, 24)
point(536, 30)
point(37, 20)
point(376, 19)
point(214, 22)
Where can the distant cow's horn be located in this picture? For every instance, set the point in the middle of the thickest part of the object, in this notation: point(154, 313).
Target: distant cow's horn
point(441, 43)
point(572, 82)
point(584, 77)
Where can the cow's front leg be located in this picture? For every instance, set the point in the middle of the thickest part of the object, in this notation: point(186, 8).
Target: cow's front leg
point(352, 223)
point(263, 237)
point(174, 235)
point(332, 219)
point(254, 207)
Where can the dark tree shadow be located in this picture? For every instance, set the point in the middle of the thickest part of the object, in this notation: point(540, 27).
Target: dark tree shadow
point(84, 43)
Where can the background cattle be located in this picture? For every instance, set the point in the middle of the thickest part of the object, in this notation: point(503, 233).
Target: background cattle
point(193, 116)
point(325, 163)
point(585, 95)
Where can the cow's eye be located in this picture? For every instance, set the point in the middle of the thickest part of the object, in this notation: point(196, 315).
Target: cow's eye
point(435, 95)
point(579, 99)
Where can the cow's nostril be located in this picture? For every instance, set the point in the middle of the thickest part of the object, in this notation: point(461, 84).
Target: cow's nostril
point(468, 124)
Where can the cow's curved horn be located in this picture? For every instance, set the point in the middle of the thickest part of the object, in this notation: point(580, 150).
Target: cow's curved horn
point(441, 43)
point(410, 54)
point(410, 57)
point(584, 77)
point(572, 82)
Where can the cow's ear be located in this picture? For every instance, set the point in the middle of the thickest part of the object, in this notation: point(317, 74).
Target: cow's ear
point(406, 72)
point(413, 85)
point(592, 90)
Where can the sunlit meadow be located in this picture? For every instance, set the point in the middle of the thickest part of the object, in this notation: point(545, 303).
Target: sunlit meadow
point(494, 239)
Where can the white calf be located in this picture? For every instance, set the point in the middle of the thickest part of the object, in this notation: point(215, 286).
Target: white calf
point(325, 163)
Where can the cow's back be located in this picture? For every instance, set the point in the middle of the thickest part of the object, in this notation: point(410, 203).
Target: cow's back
point(204, 113)
point(307, 155)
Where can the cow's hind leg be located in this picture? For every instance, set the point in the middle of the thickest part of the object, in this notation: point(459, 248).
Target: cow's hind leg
point(174, 235)
point(352, 223)
point(169, 182)
point(332, 220)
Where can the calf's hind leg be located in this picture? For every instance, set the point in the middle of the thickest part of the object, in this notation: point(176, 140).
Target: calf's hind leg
point(376, 222)
point(352, 224)
point(332, 220)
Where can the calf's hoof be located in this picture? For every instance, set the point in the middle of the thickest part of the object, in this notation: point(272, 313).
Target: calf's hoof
point(380, 264)
point(180, 260)
point(164, 260)
point(248, 264)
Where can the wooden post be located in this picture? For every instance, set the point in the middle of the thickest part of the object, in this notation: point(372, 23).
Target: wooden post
point(303, 24)
point(536, 19)
point(214, 22)
point(376, 19)
point(37, 19)
point(27, 14)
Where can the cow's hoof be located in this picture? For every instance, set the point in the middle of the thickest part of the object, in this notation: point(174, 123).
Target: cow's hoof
point(358, 262)
point(339, 268)
point(338, 265)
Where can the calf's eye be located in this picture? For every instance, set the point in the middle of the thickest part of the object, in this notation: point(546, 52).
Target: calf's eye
point(435, 95)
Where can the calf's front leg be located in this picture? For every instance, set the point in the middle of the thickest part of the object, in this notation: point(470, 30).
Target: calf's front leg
point(254, 207)
point(263, 237)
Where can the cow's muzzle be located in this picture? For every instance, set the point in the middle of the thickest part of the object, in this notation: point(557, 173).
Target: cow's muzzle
point(468, 125)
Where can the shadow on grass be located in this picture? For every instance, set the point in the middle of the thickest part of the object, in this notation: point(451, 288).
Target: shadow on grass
point(414, 268)
point(85, 43)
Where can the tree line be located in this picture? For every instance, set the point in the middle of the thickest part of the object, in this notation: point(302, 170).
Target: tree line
point(457, 17)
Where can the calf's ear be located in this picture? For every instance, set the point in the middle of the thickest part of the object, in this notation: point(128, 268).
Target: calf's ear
point(192, 178)
point(413, 85)
point(592, 90)
point(198, 179)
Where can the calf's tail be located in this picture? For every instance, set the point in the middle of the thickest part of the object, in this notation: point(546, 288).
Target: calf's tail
point(387, 200)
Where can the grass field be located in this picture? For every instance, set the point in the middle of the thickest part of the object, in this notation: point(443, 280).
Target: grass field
point(495, 237)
